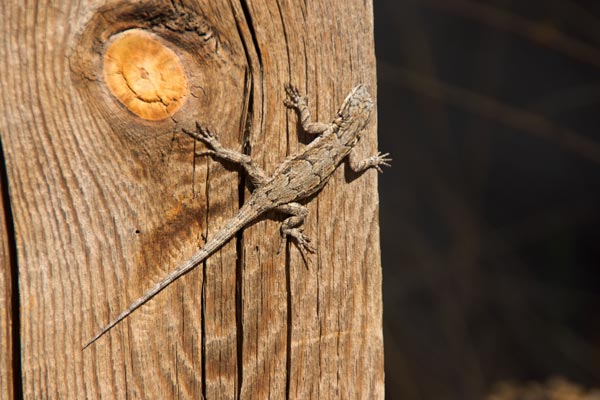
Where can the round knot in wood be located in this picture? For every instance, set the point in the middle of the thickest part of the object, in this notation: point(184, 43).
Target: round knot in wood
point(145, 75)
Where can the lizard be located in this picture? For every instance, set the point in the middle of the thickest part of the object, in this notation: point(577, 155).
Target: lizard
point(298, 177)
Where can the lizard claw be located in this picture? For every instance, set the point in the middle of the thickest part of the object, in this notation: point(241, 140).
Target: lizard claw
point(295, 99)
point(302, 242)
point(206, 136)
point(380, 159)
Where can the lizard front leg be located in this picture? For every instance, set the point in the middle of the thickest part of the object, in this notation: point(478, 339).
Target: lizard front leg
point(299, 103)
point(292, 227)
point(257, 175)
point(375, 161)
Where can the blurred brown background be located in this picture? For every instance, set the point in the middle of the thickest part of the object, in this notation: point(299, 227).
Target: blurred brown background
point(490, 214)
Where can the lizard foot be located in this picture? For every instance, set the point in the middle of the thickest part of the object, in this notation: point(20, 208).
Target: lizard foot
point(207, 136)
point(379, 159)
point(302, 242)
point(295, 100)
point(375, 161)
point(204, 135)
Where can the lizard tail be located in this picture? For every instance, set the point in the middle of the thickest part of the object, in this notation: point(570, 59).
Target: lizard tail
point(245, 215)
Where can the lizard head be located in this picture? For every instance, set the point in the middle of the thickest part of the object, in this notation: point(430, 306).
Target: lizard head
point(358, 104)
point(353, 115)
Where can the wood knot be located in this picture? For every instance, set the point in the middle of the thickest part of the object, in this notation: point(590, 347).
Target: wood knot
point(145, 75)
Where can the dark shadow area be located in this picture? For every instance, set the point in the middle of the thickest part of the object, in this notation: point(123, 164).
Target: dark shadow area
point(490, 214)
point(9, 230)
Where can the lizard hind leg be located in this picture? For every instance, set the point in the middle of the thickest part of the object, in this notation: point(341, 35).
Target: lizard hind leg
point(292, 227)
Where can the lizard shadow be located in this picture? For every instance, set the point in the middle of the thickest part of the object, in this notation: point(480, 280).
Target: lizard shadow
point(350, 175)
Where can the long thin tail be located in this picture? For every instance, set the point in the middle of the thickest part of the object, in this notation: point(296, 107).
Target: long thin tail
point(245, 215)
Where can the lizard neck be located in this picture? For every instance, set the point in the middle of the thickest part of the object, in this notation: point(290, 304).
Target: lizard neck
point(349, 133)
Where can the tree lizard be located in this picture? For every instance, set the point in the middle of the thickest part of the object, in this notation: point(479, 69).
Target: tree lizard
point(296, 178)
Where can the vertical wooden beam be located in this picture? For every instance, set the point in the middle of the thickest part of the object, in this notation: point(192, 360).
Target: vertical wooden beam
point(106, 200)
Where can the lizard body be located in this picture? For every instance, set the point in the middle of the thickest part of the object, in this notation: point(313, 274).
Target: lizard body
point(296, 178)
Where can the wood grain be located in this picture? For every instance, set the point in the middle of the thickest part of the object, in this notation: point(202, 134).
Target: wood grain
point(105, 203)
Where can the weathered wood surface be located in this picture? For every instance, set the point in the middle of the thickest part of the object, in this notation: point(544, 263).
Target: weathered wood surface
point(106, 203)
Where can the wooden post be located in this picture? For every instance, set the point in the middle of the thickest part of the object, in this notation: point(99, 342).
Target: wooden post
point(107, 197)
